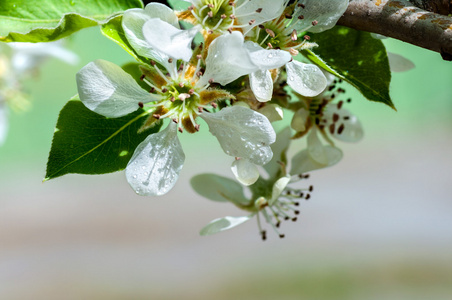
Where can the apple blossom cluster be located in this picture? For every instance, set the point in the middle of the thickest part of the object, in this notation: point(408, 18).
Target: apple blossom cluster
point(235, 65)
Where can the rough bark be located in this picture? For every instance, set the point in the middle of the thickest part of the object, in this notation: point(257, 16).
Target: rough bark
point(402, 20)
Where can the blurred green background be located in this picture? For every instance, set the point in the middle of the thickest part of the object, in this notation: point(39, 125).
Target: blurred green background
point(379, 224)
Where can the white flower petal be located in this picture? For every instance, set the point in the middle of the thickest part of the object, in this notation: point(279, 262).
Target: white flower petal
point(3, 122)
point(273, 112)
point(167, 39)
point(218, 188)
point(223, 224)
point(352, 132)
point(245, 171)
point(28, 56)
point(278, 188)
point(227, 60)
point(316, 149)
point(326, 13)
point(262, 85)
point(302, 161)
point(243, 133)
point(163, 12)
point(398, 63)
point(133, 21)
point(108, 90)
point(156, 163)
point(306, 79)
point(267, 58)
point(246, 12)
point(299, 120)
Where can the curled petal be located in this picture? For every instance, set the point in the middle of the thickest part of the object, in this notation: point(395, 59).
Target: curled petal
point(167, 39)
point(227, 60)
point(108, 90)
point(306, 79)
point(325, 13)
point(302, 161)
point(218, 188)
point(133, 21)
point(223, 224)
point(262, 85)
point(278, 188)
point(245, 171)
point(243, 133)
point(156, 163)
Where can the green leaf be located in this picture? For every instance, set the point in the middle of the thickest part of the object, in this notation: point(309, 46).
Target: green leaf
point(49, 20)
point(114, 31)
point(88, 143)
point(355, 57)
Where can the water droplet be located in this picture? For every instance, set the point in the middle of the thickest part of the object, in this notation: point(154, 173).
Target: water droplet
point(270, 55)
point(291, 78)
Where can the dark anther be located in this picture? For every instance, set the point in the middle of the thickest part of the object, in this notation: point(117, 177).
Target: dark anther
point(308, 196)
point(339, 104)
point(311, 188)
point(297, 212)
point(140, 104)
point(142, 77)
point(341, 128)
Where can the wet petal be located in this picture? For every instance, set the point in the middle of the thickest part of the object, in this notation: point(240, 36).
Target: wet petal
point(218, 188)
point(223, 224)
point(227, 60)
point(267, 58)
point(352, 129)
point(243, 133)
point(262, 85)
point(302, 161)
point(167, 39)
point(326, 13)
point(156, 163)
point(306, 79)
point(108, 90)
point(245, 171)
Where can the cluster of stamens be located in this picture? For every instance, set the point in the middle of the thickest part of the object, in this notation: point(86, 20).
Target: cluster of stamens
point(281, 34)
point(220, 15)
point(180, 97)
point(285, 208)
point(317, 106)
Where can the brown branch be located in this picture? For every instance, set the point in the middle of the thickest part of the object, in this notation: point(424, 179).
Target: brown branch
point(401, 20)
point(442, 7)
